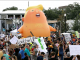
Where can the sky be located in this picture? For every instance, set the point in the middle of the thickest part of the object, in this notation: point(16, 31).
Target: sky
point(24, 4)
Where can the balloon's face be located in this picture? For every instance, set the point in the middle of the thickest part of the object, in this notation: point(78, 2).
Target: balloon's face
point(35, 16)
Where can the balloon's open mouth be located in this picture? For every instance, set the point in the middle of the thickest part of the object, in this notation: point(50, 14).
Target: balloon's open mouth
point(38, 15)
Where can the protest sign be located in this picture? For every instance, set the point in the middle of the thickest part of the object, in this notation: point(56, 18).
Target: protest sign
point(67, 37)
point(25, 40)
point(12, 46)
point(14, 40)
point(41, 44)
point(74, 49)
point(77, 34)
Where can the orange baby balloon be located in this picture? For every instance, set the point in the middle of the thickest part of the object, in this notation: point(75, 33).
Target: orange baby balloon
point(35, 22)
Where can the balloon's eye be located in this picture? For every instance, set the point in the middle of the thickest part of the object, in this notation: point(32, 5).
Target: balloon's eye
point(32, 10)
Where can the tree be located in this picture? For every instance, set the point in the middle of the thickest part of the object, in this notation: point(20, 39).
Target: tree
point(76, 24)
point(72, 11)
point(61, 19)
point(11, 8)
point(68, 11)
point(52, 14)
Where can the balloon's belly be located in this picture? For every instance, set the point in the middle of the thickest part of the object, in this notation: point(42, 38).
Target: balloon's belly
point(37, 30)
point(36, 33)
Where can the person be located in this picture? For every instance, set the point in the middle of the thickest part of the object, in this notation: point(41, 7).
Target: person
point(68, 56)
point(41, 57)
point(17, 54)
point(27, 50)
point(53, 56)
point(10, 53)
point(3, 58)
point(49, 49)
point(6, 55)
point(1, 53)
point(78, 42)
point(57, 44)
point(62, 38)
point(55, 49)
point(35, 53)
point(67, 49)
point(20, 46)
point(14, 57)
point(61, 49)
point(0, 45)
point(77, 57)
point(4, 46)
point(22, 53)
point(26, 57)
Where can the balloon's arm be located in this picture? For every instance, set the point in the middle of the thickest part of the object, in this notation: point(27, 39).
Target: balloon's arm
point(52, 29)
point(20, 30)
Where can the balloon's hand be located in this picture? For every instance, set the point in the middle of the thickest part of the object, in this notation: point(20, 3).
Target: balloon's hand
point(18, 32)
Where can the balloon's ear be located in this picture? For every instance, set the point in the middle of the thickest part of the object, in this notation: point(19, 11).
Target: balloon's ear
point(23, 19)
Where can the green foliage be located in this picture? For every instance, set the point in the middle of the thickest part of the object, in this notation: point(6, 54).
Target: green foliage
point(76, 25)
point(11, 8)
point(52, 14)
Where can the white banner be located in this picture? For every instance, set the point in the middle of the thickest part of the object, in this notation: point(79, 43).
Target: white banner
point(25, 40)
point(74, 49)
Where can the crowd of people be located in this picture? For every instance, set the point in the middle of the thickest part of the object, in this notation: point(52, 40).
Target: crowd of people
point(57, 47)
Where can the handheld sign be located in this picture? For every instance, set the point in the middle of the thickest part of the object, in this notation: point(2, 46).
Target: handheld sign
point(14, 40)
point(77, 34)
point(67, 37)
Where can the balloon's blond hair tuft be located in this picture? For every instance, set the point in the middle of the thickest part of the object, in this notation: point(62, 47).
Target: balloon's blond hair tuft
point(40, 7)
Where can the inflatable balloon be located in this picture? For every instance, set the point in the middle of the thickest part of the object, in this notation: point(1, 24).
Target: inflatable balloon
point(35, 23)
